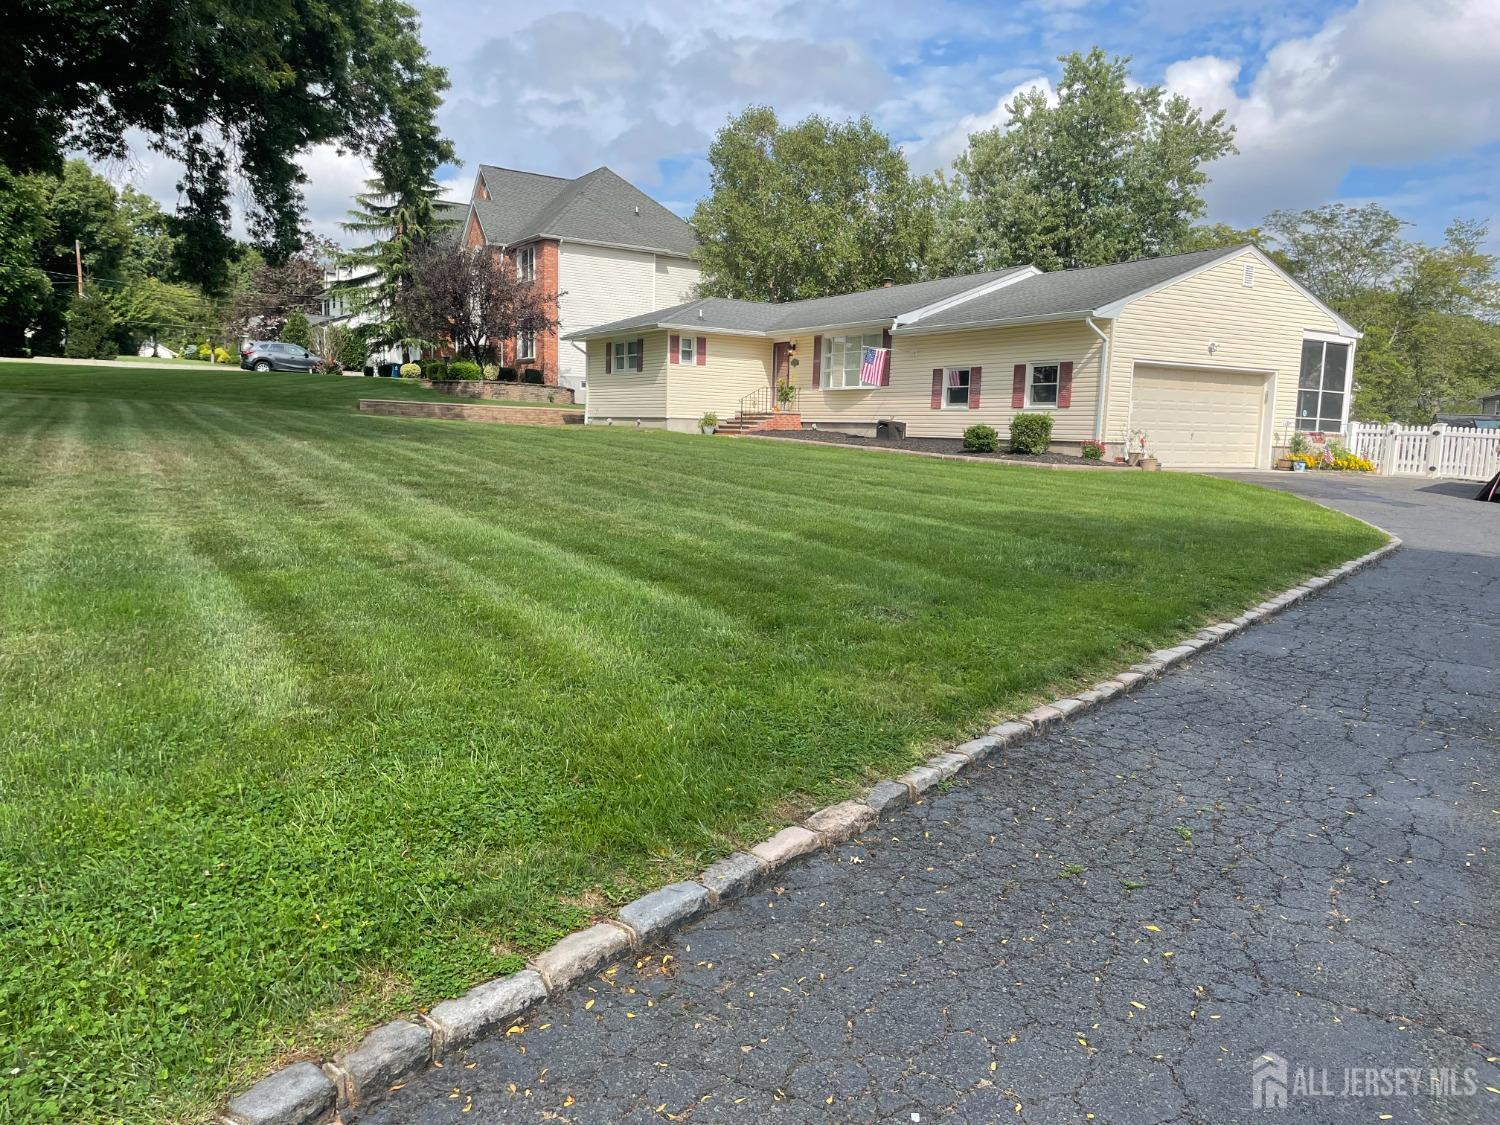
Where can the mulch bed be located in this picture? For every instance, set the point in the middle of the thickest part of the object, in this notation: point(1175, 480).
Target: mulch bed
point(952, 447)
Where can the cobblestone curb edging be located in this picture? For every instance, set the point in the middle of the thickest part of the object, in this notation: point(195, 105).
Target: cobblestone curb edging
point(306, 1094)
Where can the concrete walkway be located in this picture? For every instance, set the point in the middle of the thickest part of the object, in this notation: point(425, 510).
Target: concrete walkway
point(1286, 846)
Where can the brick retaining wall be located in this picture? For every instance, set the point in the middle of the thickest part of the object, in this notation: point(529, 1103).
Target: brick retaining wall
point(472, 412)
point(516, 392)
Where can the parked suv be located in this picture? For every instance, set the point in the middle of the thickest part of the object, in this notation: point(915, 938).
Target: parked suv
point(276, 355)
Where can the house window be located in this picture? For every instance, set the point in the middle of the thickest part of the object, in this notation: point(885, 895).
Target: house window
point(526, 345)
point(625, 355)
point(685, 349)
point(1041, 387)
point(526, 263)
point(842, 357)
point(956, 388)
point(1323, 386)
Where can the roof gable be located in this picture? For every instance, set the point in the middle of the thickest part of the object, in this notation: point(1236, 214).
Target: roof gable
point(600, 207)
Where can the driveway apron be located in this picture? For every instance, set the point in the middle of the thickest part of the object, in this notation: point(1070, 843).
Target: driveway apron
point(1284, 848)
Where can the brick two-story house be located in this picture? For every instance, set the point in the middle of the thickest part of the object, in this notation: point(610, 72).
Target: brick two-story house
point(599, 245)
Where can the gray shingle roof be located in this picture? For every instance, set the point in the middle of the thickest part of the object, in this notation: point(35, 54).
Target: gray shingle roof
point(597, 207)
point(450, 211)
point(871, 306)
point(1079, 291)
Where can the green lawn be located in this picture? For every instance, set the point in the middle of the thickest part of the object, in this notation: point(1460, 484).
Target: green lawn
point(307, 717)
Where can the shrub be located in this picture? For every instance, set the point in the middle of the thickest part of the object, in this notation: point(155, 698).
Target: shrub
point(411, 371)
point(91, 328)
point(435, 368)
point(981, 439)
point(463, 369)
point(1093, 451)
point(507, 374)
point(221, 356)
point(353, 351)
point(533, 376)
point(710, 420)
point(491, 371)
point(297, 330)
point(1030, 433)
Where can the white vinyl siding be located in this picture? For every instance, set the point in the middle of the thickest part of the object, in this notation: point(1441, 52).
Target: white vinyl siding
point(629, 394)
point(599, 284)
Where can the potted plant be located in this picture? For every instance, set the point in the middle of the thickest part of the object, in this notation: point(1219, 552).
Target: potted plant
point(708, 423)
point(1136, 448)
point(785, 394)
point(1150, 463)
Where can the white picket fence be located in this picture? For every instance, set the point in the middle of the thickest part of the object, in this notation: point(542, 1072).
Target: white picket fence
point(1439, 450)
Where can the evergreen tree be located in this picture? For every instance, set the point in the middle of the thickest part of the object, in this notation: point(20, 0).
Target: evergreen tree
point(297, 330)
point(91, 327)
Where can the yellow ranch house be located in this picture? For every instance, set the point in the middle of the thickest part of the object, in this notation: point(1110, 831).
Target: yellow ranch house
point(1213, 356)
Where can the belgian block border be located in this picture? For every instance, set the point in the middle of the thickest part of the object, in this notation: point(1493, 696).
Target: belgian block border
point(304, 1094)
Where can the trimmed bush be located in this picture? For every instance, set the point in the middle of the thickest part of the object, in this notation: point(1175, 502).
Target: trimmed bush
point(533, 376)
point(221, 356)
point(981, 439)
point(1093, 451)
point(464, 369)
point(507, 375)
point(1030, 433)
point(491, 371)
point(435, 368)
point(411, 371)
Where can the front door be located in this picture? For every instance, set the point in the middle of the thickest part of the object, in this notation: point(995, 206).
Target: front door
point(781, 363)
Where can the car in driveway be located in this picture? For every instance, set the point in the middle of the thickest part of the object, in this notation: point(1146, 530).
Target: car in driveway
point(277, 355)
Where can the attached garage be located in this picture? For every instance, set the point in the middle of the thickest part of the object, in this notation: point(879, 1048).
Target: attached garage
point(1201, 417)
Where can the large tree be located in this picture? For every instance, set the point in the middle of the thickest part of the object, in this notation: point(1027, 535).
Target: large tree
point(25, 226)
point(263, 295)
point(807, 210)
point(231, 90)
point(1108, 173)
point(1430, 314)
point(398, 228)
point(470, 300)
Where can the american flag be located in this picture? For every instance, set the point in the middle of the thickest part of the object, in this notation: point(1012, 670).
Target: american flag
point(872, 367)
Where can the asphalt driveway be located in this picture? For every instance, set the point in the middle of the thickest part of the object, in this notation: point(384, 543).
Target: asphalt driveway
point(1286, 846)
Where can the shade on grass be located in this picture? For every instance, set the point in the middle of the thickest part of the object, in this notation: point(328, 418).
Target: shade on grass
point(307, 716)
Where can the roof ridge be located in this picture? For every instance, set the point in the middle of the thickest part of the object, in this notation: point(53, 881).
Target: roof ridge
point(1151, 258)
point(525, 172)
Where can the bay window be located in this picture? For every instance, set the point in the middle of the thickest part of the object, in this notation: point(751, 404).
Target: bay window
point(842, 357)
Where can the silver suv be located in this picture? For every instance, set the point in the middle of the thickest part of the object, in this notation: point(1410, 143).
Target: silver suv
point(277, 355)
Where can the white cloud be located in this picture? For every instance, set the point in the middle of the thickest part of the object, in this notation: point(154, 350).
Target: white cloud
point(1387, 83)
point(939, 149)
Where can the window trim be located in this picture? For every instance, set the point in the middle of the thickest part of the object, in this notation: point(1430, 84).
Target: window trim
point(617, 364)
point(526, 272)
point(825, 368)
point(968, 387)
point(1325, 338)
point(1031, 367)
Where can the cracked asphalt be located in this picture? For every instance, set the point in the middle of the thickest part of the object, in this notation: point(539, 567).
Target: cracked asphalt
point(1284, 846)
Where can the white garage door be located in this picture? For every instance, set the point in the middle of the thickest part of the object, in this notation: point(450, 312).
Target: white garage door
point(1198, 417)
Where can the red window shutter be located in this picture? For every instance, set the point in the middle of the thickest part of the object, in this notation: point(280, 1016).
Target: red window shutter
point(640, 355)
point(937, 388)
point(817, 361)
point(975, 376)
point(1018, 387)
point(702, 350)
point(609, 356)
point(673, 343)
point(885, 371)
point(1065, 384)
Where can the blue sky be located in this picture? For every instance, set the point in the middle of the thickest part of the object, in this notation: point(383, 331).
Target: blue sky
point(1391, 100)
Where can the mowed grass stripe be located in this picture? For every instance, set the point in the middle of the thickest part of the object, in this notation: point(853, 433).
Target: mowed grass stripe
point(361, 710)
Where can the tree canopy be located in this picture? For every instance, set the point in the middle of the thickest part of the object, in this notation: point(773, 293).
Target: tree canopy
point(470, 299)
point(808, 210)
point(233, 91)
point(1109, 173)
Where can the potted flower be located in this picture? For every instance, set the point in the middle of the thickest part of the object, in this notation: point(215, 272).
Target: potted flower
point(785, 394)
point(1136, 447)
point(708, 423)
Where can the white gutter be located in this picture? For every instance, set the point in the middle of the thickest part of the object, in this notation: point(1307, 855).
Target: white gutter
point(1100, 410)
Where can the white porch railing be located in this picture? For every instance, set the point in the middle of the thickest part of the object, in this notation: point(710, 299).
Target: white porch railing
point(1464, 452)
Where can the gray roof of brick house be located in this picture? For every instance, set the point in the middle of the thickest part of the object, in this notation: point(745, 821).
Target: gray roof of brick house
point(599, 207)
point(870, 306)
point(450, 211)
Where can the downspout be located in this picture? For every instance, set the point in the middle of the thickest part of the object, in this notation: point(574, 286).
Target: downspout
point(1100, 409)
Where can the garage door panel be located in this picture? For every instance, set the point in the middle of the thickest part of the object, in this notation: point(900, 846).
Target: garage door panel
point(1199, 416)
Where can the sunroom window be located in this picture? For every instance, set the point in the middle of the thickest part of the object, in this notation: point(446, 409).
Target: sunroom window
point(1323, 386)
point(842, 356)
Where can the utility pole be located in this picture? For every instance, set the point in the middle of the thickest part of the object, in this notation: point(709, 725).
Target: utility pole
point(78, 262)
